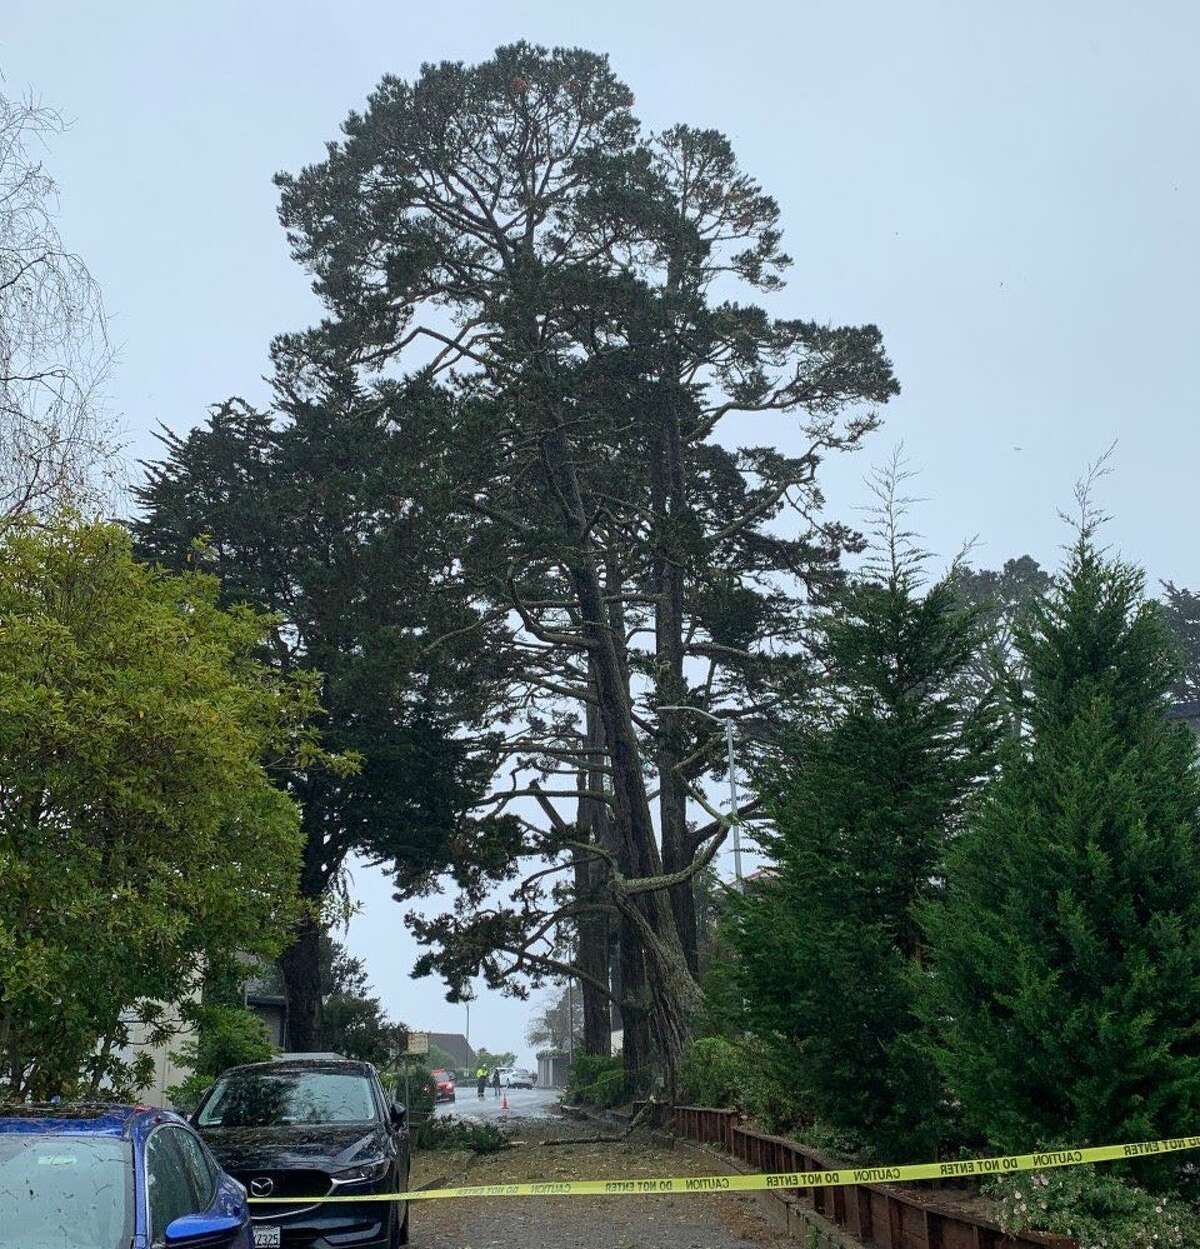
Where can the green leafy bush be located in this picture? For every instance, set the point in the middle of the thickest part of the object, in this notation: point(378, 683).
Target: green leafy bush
point(227, 1036)
point(597, 1081)
point(1099, 1209)
point(772, 1096)
point(713, 1073)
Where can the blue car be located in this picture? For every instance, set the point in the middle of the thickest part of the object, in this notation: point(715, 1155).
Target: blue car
point(113, 1177)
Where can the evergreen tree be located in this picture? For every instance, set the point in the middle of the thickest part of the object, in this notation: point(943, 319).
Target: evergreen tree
point(1182, 609)
point(873, 787)
point(316, 512)
point(1065, 957)
point(588, 292)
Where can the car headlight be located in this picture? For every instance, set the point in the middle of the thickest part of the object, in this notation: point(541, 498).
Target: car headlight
point(364, 1173)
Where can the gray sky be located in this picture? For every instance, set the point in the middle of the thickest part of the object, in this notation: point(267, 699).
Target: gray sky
point(1009, 191)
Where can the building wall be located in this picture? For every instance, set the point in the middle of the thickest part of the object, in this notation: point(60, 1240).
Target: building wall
point(553, 1070)
point(166, 1071)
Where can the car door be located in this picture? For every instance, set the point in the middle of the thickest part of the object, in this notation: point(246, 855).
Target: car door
point(170, 1191)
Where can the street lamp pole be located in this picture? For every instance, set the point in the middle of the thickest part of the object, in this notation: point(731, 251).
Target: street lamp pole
point(733, 802)
point(728, 723)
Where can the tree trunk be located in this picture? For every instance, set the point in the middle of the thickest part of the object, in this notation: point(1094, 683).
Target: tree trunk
point(300, 965)
point(673, 992)
point(672, 1001)
point(671, 542)
point(635, 1020)
point(590, 875)
point(669, 510)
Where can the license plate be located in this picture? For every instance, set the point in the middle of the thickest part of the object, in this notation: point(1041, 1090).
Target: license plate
point(267, 1238)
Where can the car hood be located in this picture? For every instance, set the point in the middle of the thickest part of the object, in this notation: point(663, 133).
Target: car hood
point(325, 1146)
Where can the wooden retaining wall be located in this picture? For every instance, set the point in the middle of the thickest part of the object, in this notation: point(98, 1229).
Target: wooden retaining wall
point(877, 1214)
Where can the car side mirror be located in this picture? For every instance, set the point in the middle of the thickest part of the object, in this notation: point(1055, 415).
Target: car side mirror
point(399, 1115)
point(208, 1230)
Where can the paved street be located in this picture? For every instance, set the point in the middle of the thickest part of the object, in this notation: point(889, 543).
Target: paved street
point(522, 1104)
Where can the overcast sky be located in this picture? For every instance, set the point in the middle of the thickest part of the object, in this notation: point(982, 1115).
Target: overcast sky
point(1009, 191)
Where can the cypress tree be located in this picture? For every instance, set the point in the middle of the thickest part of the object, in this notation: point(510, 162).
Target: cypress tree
point(1064, 982)
point(870, 791)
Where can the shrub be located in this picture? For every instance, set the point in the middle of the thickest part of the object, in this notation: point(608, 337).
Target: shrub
point(1099, 1209)
point(227, 1036)
point(772, 1095)
point(713, 1073)
point(447, 1132)
point(597, 1081)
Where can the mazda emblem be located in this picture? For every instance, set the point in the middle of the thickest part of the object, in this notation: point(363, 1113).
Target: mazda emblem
point(262, 1186)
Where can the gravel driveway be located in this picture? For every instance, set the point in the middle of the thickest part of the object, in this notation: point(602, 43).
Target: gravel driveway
point(667, 1222)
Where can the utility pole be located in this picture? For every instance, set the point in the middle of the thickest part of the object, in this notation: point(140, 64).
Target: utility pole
point(571, 1017)
point(729, 724)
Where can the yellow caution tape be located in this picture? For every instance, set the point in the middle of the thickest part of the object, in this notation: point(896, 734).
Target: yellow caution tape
point(778, 1180)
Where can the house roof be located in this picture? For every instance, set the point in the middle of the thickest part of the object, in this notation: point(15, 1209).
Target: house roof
point(456, 1045)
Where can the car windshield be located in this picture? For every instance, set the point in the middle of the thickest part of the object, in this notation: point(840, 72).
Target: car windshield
point(47, 1180)
point(278, 1098)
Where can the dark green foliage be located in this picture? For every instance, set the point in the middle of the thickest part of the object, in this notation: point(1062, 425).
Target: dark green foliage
point(772, 1096)
point(581, 288)
point(353, 1021)
point(714, 1073)
point(227, 1036)
point(317, 513)
point(439, 1060)
point(448, 1132)
point(1064, 978)
point(874, 784)
point(314, 512)
point(597, 1081)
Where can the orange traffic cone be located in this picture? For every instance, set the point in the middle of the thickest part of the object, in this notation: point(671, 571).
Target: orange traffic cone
point(504, 1099)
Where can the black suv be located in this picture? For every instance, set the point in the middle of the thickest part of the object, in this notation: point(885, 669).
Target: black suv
point(308, 1126)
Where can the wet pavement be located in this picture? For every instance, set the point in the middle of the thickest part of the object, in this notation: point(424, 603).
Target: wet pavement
point(522, 1104)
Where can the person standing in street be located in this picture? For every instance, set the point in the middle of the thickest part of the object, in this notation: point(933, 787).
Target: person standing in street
point(481, 1077)
point(496, 1081)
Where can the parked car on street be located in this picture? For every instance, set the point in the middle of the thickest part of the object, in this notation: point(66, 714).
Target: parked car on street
point(107, 1177)
point(444, 1082)
point(305, 1126)
point(517, 1078)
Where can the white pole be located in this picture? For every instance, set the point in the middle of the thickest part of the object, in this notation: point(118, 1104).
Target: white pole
point(733, 804)
point(571, 1017)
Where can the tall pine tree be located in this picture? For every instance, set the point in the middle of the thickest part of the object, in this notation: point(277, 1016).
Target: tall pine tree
point(1065, 958)
point(873, 788)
